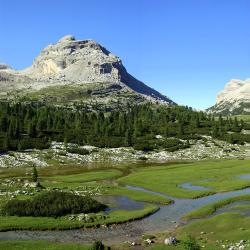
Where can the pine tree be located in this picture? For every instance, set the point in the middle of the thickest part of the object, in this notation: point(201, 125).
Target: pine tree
point(34, 174)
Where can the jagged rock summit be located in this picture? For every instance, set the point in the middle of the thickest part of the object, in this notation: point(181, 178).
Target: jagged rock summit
point(76, 61)
point(72, 62)
point(234, 99)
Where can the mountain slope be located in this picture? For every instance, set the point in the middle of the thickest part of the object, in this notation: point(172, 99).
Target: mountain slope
point(234, 99)
point(76, 70)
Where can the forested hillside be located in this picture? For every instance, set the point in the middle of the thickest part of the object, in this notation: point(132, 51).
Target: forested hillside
point(145, 127)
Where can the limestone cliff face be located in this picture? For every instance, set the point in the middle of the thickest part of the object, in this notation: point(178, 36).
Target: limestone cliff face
point(84, 61)
point(234, 99)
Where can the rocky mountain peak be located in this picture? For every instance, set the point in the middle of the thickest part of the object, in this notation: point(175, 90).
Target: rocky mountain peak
point(71, 62)
point(235, 90)
point(234, 98)
point(230, 90)
point(77, 61)
point(67, 38)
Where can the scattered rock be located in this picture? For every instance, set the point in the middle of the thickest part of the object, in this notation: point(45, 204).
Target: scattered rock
point(170, 241)
point(149, 241)
point(31, 184)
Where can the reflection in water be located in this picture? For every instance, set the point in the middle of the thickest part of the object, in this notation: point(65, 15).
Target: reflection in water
point(120, 203)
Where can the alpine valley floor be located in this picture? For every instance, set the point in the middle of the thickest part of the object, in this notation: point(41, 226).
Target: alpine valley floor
point(208, 199)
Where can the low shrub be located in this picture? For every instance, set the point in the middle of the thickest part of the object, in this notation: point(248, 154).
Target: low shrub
point(98, 245)
point(52, 204)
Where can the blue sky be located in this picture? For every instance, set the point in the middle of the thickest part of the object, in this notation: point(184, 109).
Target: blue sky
point(186, 49)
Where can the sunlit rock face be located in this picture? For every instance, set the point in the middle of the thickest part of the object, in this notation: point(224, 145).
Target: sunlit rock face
point(80, 61)
point(77, 61)
point(234, 99)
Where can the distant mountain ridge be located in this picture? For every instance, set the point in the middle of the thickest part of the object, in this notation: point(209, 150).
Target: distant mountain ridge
point(234, 99)
point(77, 63)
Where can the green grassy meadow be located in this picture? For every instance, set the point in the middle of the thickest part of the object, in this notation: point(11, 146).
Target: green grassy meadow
point(245, 118)
point(218, 176)
point(86, 177)
point(223, 228)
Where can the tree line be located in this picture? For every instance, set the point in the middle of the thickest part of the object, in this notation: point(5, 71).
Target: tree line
point(29, 125)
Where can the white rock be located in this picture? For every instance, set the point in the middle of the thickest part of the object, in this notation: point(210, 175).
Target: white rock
point(241, 247)
point(170, 241)
point(148, 241)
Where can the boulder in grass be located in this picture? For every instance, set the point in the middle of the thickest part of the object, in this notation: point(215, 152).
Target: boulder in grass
point(170, 241)
point(149, 241)
point(34, 184)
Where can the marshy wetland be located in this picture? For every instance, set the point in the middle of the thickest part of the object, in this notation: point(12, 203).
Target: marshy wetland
point(142, 199)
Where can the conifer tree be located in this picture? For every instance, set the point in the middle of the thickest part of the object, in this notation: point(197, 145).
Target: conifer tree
point(34, 174)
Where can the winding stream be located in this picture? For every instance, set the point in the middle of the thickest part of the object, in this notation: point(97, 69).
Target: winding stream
point(167, 218)
point(231, 208)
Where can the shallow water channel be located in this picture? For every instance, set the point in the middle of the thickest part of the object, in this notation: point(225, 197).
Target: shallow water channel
point(244, 177)
point(232, 207)
point(167, 218)
point(190, 186)
point(120, 203)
